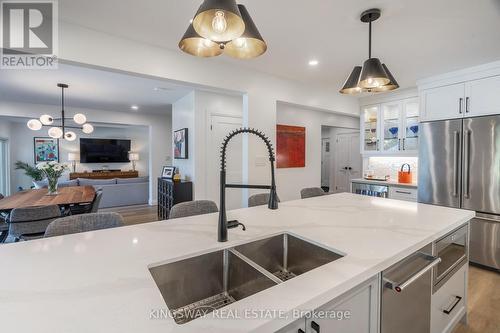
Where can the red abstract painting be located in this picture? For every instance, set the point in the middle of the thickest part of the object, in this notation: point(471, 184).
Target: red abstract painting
point(291, 146)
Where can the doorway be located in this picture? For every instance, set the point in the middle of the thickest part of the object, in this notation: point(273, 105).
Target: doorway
point(219, 127)
point(4, 167)
point(340, 158)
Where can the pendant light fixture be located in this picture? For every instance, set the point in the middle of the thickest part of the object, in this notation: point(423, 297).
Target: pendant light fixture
point(60, 131)
point(373, 76)
point(222, 25)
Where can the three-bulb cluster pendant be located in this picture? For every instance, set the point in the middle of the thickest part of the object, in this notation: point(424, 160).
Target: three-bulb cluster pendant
point(222, 26)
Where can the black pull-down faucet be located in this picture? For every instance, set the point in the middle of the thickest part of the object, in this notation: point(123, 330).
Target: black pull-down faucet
point(273, 198)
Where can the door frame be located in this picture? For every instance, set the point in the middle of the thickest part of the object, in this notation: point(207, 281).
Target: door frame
point(6, 142)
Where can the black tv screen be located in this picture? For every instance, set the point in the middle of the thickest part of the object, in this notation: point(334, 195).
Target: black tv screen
point(104, 151)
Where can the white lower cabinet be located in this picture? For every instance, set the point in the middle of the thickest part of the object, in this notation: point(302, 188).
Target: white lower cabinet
point(356, 311)
point(403, 193)
point(448, 303)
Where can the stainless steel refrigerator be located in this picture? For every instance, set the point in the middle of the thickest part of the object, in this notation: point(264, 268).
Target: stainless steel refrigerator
point(459, 166)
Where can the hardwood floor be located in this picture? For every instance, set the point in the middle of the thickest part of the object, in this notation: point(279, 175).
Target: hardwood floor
point(135, 214)
point(484, 302)
point(484, 285)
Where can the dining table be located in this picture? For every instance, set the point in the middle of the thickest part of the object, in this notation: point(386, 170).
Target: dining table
point(65, 197)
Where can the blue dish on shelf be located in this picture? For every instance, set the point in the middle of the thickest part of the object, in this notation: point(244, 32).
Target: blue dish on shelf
point(414, 129)
point(393, 130)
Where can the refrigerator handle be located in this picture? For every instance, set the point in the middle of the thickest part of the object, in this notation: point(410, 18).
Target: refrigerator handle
point(460, 103)
point(456, 158)
point(467, 164)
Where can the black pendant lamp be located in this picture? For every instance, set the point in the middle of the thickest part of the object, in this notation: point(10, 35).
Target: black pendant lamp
point(373, 76)
point(194, 44)
point(250, 44)
point(219, 20)
point(223, 26)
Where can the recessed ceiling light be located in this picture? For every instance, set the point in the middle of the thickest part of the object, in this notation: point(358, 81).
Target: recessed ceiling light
point(313, 62)
point(134, 107)
point(190, 21)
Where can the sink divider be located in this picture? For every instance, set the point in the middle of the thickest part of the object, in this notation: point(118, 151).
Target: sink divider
point(256, 266)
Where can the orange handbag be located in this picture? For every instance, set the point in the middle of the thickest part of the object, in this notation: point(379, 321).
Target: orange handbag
point(405, 177)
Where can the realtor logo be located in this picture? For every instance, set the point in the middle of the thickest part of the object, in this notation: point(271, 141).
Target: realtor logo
point(29, 34)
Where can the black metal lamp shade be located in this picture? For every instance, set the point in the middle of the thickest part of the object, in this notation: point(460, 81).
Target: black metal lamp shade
point(219, 20)
point(194, 44)
point(250, 44)
point(373, 74)
point(392, 85)
point(351, 84)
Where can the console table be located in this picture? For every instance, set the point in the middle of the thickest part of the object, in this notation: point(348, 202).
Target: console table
point(104, 174)
point(170, 193)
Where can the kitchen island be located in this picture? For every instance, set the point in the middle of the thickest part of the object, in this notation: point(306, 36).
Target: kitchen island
point(100, 281)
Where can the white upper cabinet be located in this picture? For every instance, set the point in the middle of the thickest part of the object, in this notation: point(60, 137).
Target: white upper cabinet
point(470, 92)
point(443, 102)
point(390, 128)
point(482, 97)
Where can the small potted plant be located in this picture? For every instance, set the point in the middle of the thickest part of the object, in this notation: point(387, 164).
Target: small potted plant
point(52, 171)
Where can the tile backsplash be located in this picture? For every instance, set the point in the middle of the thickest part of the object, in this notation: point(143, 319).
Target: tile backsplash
point(386, 165)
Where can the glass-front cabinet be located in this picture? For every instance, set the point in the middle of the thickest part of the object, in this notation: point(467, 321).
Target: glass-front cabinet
point(391, 128)
point(370, 124)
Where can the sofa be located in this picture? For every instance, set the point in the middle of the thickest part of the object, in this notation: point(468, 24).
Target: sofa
point(116, 192)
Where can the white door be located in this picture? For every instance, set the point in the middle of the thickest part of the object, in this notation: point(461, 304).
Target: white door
point(355, 160)
point(348, 162)
point(4, 165)
point(342, 150)
point(220, 126)
point(443, 102)
point(325, 162)
point(482, 97)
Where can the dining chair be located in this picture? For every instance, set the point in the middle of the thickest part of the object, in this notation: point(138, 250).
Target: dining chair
point(82, 223)
point(311, 192)
point(192, 208)
point(259, 199)
point(31, 223)
point(93, 207)
point(4, 227)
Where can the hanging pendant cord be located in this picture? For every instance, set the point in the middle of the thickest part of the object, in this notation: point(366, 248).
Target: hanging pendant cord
point(370, 38)
point(62, 109)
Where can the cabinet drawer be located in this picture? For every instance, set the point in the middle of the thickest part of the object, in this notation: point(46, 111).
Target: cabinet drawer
point(403, 193)
point(448, 304)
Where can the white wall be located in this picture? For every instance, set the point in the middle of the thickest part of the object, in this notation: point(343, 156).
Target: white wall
point(291, 180)
point(194, 112)
point(262, 91)
point(22, 150)
point(159, 126)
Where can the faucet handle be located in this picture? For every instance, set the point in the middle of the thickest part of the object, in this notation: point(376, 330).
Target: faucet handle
point(234, 224)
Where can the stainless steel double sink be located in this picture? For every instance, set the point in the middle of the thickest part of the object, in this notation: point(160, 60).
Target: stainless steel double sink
point(199, 285)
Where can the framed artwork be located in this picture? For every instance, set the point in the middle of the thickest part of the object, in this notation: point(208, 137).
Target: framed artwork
point(168, 172)
point(181, 144)
point(290, 146)
point(46, 149)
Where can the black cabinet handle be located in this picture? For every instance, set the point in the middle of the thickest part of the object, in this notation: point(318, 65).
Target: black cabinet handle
point(301, 331)
point(457, 300)
point(315, 326)
point(350, 168)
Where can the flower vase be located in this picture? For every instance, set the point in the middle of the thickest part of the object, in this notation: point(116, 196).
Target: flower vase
point(52, 186)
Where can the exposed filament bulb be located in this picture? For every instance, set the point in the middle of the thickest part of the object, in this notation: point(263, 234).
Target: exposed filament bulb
point(219, 23)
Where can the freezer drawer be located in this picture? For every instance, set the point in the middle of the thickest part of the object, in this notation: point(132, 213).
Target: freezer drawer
point(485, 241)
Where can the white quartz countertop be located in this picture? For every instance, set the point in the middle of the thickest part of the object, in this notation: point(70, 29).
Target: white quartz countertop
point(99, 281)
point(384, 182)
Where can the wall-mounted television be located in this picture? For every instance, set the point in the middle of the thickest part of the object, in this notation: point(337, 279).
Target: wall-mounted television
point(104, 151)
